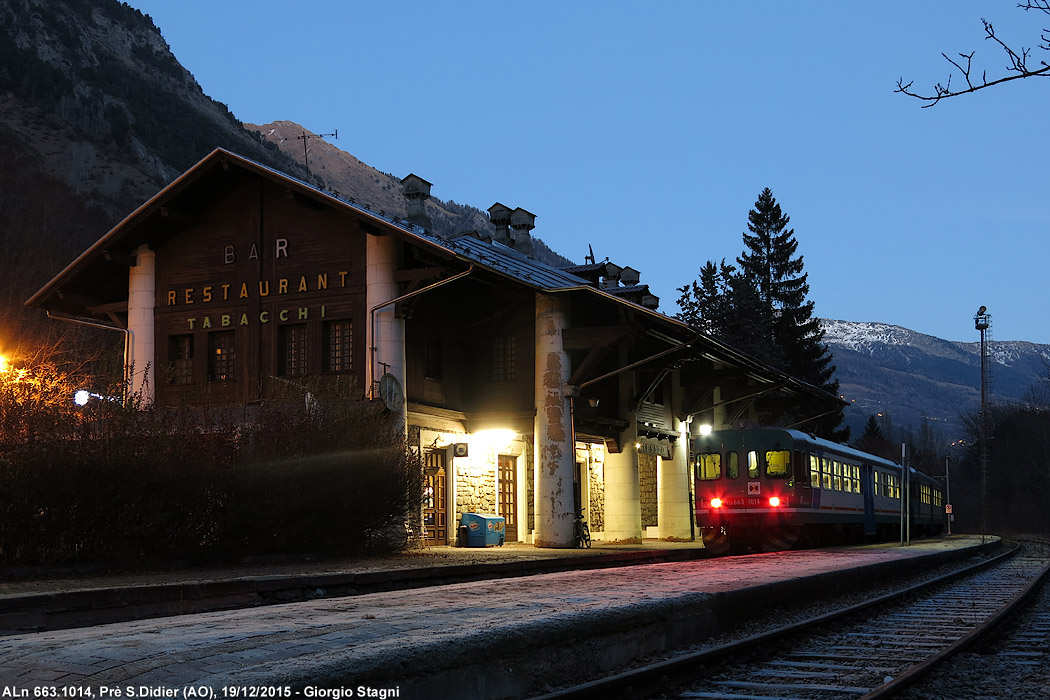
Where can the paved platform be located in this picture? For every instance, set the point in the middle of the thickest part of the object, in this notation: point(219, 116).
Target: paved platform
point(486, 639)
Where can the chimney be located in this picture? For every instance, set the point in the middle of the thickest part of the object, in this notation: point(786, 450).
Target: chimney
point(610, 276)
point(629, 276)
point(499, 215)
point(417, 191)
point(522, 222)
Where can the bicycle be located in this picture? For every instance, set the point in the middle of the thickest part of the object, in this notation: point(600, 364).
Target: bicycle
point(581, 531)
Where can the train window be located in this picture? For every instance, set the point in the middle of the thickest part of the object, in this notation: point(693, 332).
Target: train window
point(836, 468)
point(851, 474)
point(708, 466)
point(733, 467)
point(778, 464)
point(814, 471)
point(752, 465)
point(826, 468)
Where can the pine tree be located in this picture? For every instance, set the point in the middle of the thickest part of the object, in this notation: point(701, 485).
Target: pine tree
point(760, 306)
point(771, 260)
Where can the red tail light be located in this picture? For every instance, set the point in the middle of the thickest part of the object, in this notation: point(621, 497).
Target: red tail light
point(716, 502)
point(774, 501)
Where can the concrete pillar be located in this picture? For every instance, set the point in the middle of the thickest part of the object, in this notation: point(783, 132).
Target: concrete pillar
point(623, 499)
point(674, 512)
point(554, 451)
point(674, 507)
point(388, 344)
point(139, 358)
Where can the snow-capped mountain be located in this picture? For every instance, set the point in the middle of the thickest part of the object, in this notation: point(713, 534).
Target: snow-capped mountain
point(884, 368)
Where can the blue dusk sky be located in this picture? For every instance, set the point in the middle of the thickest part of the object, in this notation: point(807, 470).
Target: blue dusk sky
point(647, 130)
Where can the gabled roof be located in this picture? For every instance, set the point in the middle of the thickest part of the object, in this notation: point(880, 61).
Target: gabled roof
point(101, 262)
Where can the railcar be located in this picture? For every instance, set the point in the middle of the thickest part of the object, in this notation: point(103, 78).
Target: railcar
point(773, 488)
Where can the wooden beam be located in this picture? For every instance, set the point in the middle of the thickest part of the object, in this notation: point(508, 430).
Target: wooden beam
point(179, 216)
point(596, 336)
point(115, 307)
point(120, 258)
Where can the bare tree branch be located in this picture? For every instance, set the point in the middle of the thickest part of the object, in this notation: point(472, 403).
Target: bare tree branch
point(1018, 64)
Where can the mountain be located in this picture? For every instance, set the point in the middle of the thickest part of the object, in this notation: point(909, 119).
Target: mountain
point(344, 174)
point(96, 115)
point(887, 369)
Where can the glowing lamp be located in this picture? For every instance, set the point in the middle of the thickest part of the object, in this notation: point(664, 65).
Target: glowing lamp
point(716, 502)
point(81, 398)
point(705, 429)
point(774, 501)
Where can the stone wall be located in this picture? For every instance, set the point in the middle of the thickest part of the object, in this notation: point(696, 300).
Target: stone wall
point(596, 516)
point(475, 485)
point(647, 488)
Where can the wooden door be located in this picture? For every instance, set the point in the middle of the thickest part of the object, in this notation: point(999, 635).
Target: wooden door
point(435, 508)
point(508, 494)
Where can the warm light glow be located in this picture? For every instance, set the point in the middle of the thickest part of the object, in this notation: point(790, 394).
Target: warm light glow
point(4, 363)
point(705, 429)
point(774, 501)
point(716, 502)
point(81, 398)
point(496, 439)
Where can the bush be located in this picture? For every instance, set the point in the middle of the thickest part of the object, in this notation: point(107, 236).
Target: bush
point(133, 487)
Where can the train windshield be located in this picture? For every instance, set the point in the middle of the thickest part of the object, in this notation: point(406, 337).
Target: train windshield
point(778, 464)
point(733, 466)
point(708, 466)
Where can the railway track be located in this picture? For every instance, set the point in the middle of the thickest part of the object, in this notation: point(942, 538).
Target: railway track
point(871, 650)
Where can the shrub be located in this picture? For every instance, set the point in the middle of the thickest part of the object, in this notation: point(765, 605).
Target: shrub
point(133, 487)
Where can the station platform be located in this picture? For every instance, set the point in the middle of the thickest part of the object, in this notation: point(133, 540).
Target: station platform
point(491, 638)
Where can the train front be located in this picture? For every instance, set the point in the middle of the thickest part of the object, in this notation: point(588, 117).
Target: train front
point(745, 490)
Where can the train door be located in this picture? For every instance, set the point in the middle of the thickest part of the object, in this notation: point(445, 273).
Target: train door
point(867, 488)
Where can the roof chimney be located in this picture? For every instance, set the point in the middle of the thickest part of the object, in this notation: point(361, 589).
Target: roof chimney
point(499, 215)
point(522, 221)
point(629, 276)
point(417, 191)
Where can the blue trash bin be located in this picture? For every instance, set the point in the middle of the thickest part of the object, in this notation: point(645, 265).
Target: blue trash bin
point(478, 530)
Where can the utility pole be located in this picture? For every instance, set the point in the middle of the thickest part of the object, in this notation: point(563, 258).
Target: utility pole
point(305, 138)
point(981, 322)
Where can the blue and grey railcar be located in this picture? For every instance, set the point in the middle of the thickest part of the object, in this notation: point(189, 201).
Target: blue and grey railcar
point(773, 488)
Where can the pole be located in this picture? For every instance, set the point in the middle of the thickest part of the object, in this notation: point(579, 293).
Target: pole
point(948, 492)
point(900, 492)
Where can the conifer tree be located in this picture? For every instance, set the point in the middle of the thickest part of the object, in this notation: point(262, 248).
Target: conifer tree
point(760, 306)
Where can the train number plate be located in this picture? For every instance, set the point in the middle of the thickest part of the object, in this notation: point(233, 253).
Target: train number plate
point(743, 502)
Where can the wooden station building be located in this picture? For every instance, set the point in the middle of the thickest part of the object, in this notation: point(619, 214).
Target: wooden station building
point(531, 391)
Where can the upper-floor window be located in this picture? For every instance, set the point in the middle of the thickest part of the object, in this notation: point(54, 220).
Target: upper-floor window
point(222, 355)
point(180, 359)
point(293, 350)
point(338, 346)
point(503, 359)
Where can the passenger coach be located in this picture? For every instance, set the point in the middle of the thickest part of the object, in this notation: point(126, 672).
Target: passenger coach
point(774, 488)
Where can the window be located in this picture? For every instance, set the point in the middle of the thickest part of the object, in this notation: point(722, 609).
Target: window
point(222, 355)
point(887, 485)
point(778, 464)
point(502, 369)
point(733, 468)
point(826, 471)
point(338, 341)
point(180, 359)
point(836, 470)
point(814, 471)
point(752, 465)
point(708, 466)
point(292, 350)
point(854, 472)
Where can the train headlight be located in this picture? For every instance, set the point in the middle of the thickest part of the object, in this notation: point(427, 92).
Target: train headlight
point(774, 501)
point(716, 502)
